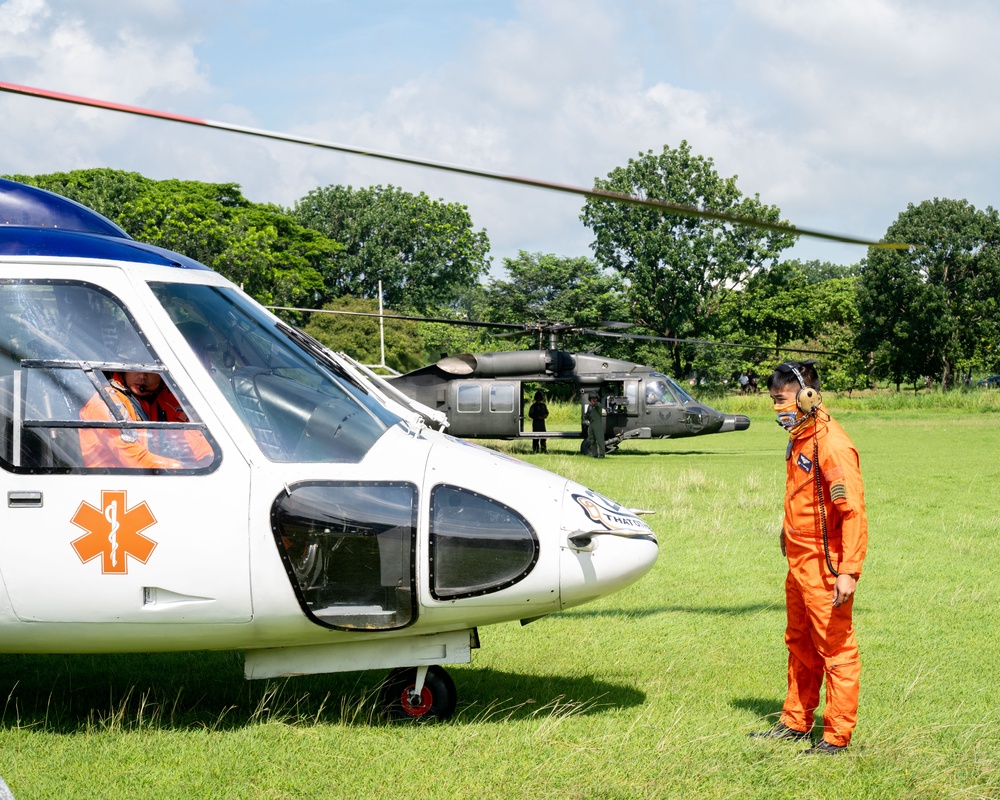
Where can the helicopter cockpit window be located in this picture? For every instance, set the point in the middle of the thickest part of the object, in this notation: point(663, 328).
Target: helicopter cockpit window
point(348, 548)
point(657, 393)
point(478, 545)
point(81, 390)
point(679, 393)
point(298, 404)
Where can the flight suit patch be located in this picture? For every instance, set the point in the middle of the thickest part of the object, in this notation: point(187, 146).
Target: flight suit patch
point(838, 486)
point(804, 463)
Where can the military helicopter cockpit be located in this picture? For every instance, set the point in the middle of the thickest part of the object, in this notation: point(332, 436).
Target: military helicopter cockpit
point(186, 471)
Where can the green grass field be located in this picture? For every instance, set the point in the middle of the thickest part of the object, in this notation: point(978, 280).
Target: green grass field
point(649, 693)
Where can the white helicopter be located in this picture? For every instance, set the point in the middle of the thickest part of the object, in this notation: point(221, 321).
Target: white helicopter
point(290, 506)
point(294, 512)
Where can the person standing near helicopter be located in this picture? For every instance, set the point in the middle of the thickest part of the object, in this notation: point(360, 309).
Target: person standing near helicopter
point(538, 413)
point(824, 536)
point(595, 426)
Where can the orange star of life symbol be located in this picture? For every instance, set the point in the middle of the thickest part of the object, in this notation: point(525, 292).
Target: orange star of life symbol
point(114, 532)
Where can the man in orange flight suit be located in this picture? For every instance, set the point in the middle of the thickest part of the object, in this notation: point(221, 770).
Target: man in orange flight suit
point(160, 405)
point(822, 579)
point(134, 395)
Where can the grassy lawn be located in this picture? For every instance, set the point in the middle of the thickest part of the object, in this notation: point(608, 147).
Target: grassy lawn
point(649, 693)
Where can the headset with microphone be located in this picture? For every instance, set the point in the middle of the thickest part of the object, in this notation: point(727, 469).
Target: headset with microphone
point(807, 399)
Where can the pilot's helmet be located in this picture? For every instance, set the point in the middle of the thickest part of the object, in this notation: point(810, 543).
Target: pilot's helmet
point(539, 396)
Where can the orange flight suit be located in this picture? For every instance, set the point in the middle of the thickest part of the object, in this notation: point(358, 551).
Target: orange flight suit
point(820, 637)
point(165, 407)
point(109, 447)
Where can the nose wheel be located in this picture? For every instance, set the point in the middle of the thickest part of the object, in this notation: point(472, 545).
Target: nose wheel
point(418, 694)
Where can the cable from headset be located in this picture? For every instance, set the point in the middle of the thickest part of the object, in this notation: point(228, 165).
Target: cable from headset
point(822, 503)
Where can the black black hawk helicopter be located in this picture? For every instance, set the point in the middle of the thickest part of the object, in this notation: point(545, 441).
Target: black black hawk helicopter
point(485, 395)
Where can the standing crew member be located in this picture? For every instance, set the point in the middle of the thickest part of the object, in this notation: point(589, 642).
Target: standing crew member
point(595, 427)
point(538, 413)
point(824, 537)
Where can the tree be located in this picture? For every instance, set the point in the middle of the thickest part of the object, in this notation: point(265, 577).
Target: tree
point(358, 336)
point(275, 259)
point(423, 251)
point(548, 288)
point(931, 308)
point(678, 269)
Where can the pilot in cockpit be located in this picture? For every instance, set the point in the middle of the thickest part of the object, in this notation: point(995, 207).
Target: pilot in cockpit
point(139, 396)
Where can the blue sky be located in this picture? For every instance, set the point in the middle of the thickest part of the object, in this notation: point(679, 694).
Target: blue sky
point(840, 112)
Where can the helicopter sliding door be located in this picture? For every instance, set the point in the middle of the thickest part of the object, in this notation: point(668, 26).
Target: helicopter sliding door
point(111, 515)
point(487, 408)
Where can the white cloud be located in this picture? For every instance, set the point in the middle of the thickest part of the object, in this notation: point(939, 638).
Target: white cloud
point(840, 111)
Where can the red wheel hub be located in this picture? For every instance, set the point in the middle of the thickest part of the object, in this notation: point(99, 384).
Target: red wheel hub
point(421, 706)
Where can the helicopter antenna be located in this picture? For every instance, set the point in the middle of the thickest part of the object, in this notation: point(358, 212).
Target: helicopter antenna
point(592, 193)
point(381, 326)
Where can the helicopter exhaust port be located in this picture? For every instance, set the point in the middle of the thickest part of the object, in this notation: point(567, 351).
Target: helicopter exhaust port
point(734, 422)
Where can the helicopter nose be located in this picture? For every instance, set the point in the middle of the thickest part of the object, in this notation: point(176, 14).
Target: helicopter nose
point(734, 422)
point(605, 548)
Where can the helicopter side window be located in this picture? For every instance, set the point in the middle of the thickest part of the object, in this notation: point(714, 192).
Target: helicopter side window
point(349, 551)
point(64, 347)
point(502, 398)
point(478, 545)
point(470, 398)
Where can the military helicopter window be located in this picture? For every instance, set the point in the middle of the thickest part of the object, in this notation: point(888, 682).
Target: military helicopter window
point(679, 393)
point(502, 398)
point(81, 390)
point(478, 545)
point(657, 393)
point(349, 551)
point(470, 398)
point(298, 403)
point(631, 391)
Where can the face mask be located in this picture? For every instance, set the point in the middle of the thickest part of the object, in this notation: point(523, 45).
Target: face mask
point(792, 419)
point(788, 415)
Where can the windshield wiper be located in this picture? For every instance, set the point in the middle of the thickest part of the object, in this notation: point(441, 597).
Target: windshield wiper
point(320, 353)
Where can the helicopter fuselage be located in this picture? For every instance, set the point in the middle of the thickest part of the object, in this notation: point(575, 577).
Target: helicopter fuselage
point(284, 507)
point(484, 396)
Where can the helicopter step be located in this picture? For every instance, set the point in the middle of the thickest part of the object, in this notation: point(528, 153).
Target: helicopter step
point(549, 435)
point(452, 647)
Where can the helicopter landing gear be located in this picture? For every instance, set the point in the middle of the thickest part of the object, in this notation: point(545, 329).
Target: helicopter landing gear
point(435, 700)
point(585, 447)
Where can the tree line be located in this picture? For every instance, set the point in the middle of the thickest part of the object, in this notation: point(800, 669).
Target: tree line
point(898, 317)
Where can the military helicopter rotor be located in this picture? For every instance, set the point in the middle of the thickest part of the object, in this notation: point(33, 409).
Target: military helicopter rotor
point(555, 330)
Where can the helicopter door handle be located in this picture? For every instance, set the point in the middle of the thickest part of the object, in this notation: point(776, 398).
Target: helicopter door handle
point(24, 499)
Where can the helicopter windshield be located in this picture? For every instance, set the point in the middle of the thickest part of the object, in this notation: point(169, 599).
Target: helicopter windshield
point(679, 393)
point(298, 403)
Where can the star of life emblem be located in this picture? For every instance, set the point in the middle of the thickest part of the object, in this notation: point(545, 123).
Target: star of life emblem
point(114, 532)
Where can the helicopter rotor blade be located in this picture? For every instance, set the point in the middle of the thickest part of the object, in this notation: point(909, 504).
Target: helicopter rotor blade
point(592, 193)
point(671, 339)
point(518, 329)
